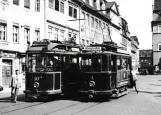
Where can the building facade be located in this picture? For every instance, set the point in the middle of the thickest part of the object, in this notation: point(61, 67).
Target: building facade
point(135, 52)
point(146, 59)
point(84, 22)
point(20, 24)
point(156, 32)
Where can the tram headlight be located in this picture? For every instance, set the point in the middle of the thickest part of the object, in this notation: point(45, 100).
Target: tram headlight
point(36, 84)
point(91, 83)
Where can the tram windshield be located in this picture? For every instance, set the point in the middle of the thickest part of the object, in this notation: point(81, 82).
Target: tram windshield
point(94, 62)
point(36, 62)
point(44, 62)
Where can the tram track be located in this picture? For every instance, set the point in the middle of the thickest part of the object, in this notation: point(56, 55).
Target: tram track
point(74, 105)
point(15, 105)
point(13, 108)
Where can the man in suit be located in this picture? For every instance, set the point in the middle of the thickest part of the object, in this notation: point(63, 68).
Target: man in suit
point(15, 84)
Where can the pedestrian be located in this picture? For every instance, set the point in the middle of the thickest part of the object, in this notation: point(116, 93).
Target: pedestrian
point(15, 84)
point(134, 79)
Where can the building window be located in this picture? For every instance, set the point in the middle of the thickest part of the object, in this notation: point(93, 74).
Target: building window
point(27, 3)
point(16, 2)
point(51, 3)
point(26, 35)
point(87, 19)
point(50, 32)
point(55, 34)
point(61, 7)
point(61, 35)
point(3, 31)
point(159, 28)
point(72, 12)
point(37, 34)
point(92, 22)
point(57, 5)
point(37, 5)
point(15, 34)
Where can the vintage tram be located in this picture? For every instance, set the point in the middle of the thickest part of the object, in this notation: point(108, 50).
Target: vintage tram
point(104, 71)
point(51, 69)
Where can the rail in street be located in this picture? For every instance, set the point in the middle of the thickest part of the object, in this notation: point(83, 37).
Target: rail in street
point(147, 102)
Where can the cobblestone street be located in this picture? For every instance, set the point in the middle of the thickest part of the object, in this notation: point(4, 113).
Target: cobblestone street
point(146, 102)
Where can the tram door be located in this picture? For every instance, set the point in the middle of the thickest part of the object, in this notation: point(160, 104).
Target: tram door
point(6, 71)
point(113, 66)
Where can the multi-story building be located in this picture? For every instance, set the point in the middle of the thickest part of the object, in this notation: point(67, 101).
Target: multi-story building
point(125, 36)
point(156, 32)
point(146, 59)
point(83, 21)
point(21, 22)
point(135, 52)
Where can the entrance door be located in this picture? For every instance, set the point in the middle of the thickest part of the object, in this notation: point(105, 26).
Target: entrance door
point(6, 71)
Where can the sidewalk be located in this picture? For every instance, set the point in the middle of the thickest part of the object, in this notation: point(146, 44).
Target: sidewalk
point(7, 91)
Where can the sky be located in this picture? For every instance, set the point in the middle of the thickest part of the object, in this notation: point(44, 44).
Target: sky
point(138, 14)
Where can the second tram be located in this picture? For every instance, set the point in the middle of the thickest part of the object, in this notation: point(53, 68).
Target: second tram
point(104, 71)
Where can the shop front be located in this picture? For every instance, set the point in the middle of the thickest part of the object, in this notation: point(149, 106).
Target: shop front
point(9, 62)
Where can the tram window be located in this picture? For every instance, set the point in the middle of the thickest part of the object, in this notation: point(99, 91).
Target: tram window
point(113, 62)
point(36, 63)
point(85, 63)
point(124, 63)
point(104, 63)
point(96, 63)
point(119, 63)
point(53, 63)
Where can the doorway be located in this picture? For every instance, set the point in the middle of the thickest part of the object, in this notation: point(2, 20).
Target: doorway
point(6, 71)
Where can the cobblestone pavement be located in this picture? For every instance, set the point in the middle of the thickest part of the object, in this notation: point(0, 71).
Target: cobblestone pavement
point(146, 102)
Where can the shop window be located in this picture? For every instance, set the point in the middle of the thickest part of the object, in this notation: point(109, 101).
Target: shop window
point(16, 2)
point(37, 5)
point(27, 3)
point(15, 34)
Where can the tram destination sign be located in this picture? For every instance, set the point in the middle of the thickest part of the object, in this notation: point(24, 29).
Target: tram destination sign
point(93, 48)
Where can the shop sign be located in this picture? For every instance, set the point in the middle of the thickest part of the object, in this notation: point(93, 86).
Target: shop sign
point(4, 54)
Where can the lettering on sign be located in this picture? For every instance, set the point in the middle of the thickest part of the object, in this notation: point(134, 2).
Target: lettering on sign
point(94, 48)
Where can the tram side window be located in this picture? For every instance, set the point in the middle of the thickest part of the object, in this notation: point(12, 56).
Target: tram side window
point(96, 63)
point(104, 63)
point(119, 67)
point(53, 63)
point(113, 62)
point(124, 63)
point(86, 63)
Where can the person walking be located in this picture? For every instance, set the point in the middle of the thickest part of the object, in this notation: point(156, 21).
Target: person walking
point(15, 84)
point(134, 79)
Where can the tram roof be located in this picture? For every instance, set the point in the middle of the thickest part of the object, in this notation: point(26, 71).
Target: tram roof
point(52, 46)
point(103, 53)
